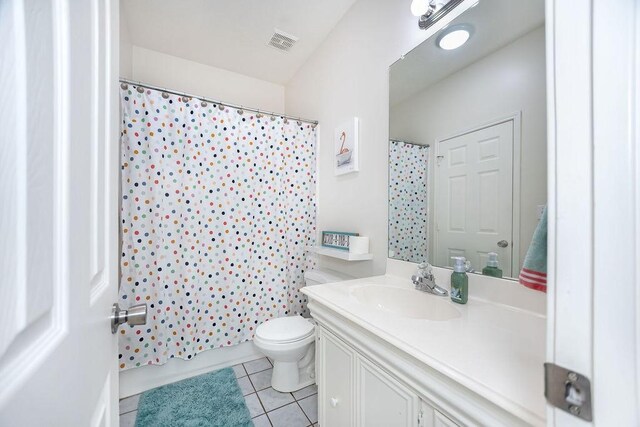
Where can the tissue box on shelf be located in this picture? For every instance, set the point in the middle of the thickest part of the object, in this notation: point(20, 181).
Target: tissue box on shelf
point(358, 245)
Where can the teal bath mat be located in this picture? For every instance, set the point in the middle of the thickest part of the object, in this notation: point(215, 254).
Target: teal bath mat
point(212, 399)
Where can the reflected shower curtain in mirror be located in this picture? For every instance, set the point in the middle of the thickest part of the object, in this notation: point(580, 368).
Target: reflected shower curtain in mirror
point(218, 206)
point(408, 198)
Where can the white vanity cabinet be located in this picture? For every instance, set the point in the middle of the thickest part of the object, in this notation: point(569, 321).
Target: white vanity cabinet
point(381, 400)
point(335, 368)
point(355, 391)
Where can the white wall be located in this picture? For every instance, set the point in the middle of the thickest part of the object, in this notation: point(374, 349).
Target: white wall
point(179, 74)
point(126, 48)
point(348, 76)
point(510, 79)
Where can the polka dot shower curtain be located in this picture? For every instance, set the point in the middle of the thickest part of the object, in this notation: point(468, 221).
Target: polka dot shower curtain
point(408, 201)
point(218, 205)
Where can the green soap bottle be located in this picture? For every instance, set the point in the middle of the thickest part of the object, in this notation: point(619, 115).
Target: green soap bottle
point(492, 266)
point(459, 280)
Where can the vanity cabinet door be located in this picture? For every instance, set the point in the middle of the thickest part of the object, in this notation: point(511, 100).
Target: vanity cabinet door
point(335, 381)
point(440, 420)
point(431, 417)
point(383, 401)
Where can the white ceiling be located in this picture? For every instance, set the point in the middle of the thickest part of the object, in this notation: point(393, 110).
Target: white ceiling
point(496, 23)
point(233, 34)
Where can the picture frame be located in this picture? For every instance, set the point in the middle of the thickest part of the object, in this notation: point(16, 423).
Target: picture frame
point(346, 157)
point(336, 239)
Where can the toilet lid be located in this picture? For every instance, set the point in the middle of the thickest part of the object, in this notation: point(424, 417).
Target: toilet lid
point(285, 329)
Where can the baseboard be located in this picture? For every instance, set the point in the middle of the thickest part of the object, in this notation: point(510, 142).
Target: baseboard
point(137, 380)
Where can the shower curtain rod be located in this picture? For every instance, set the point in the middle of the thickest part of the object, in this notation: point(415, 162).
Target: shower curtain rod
point(213, 101)
point(411, 143)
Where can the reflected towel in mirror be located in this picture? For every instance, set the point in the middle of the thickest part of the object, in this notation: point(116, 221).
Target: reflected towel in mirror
point(534, 271)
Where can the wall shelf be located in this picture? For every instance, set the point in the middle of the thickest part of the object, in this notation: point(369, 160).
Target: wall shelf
point(340, 254)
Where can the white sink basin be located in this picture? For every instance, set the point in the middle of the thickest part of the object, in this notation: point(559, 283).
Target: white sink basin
point(406, 302)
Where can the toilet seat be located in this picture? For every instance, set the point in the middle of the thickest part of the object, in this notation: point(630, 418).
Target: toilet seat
point(285, 330)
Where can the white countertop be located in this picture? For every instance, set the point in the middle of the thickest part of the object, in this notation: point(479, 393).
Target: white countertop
point(495, 350)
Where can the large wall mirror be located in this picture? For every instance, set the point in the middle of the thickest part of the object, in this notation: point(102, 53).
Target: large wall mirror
point(467, 143)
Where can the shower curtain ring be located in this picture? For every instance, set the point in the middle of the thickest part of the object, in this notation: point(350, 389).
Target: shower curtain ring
point(140, 89)
point(124, 86)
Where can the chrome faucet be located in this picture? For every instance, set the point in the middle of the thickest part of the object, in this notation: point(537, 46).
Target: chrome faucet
point(426, 282)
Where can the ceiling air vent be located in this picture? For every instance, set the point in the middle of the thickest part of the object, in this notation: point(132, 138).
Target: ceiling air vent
point(282, 41)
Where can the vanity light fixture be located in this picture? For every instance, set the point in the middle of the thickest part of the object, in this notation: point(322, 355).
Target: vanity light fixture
point(420, 7)
point(453, 37)
point(430, 11)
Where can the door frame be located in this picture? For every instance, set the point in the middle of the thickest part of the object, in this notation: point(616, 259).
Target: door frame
point(593, 299)
point(516, 118)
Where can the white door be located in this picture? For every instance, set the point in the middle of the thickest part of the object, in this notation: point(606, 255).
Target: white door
point(59, 218)
point(474, 196)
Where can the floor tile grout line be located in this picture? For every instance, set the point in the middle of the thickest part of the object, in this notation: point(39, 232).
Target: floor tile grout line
point(261, 404)
point(288, 403)
point(254, 386)
point(265, 414)
point(257, 397)
point(305, 414)
point(306, 397)
point(257, 372)
point(269, 418)
point(246, 374)
point(250, 361)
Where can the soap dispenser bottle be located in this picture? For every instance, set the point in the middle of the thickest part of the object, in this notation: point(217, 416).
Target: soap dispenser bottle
point(459, 280)
point(492, 266)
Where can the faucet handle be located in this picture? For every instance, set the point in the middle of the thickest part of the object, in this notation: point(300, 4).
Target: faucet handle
point(424, 269)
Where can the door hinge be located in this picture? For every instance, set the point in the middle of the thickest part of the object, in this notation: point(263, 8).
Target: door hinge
point(420, 417)
point(568, 390)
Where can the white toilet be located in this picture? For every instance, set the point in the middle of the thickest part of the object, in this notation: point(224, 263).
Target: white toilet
point(290, 341)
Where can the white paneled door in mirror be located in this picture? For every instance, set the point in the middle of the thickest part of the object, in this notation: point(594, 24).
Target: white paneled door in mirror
point(58, 181)
point(473, 202)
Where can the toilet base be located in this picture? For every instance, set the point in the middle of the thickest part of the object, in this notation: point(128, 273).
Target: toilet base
point(287, 378)
point(292, 376)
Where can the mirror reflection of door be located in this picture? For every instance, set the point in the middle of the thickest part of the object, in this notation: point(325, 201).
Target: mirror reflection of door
point(473, 196)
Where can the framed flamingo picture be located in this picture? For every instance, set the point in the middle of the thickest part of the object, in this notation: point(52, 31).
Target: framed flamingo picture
point(346, 147)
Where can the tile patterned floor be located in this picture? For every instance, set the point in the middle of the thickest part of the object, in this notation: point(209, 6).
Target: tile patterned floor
point(268, 407)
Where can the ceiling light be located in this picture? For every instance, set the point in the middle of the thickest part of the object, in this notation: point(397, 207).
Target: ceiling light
point(454, 37)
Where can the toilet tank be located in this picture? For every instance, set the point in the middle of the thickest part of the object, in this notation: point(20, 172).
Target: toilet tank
point(319, 276)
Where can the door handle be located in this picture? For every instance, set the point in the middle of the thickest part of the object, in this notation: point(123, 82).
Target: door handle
point(135, 315)
point(503, 243)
